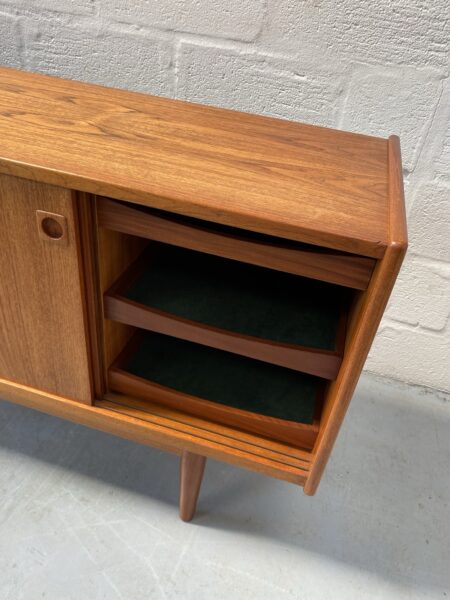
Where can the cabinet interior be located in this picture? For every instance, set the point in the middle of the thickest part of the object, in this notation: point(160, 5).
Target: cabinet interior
point(243, 345)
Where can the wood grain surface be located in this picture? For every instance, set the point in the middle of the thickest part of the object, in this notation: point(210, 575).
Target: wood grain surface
point(322, 363)
point(65, 141)
point(301, 182)
point(43, 340)
point(116, 251)
point(192, 467)
point(345, 269)
point(364, 322)
point(86, 214)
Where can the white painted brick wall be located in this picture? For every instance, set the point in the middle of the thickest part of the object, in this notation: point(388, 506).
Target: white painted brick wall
point(10, 40)
point(379, 98)
point(89, 53)
point(375, 67)
point(256, 82)
point(234, 19)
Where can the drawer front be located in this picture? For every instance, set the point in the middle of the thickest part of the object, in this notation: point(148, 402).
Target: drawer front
point(221, 387)
point(344, 269)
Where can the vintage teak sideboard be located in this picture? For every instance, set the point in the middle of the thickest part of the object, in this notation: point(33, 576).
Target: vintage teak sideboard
point(196, 279)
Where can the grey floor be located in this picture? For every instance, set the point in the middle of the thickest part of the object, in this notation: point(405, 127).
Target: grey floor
point(84, 515)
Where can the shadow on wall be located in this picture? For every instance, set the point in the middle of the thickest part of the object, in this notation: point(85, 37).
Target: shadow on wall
point(382, 507)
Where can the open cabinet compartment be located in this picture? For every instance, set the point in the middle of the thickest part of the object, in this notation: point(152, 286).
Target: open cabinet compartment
point(260, 343)
point(260, 313)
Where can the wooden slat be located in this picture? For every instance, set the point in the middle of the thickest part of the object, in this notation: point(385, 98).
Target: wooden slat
point(334, 267)
point(233, 453)
point(213, 431)
point(300, 182)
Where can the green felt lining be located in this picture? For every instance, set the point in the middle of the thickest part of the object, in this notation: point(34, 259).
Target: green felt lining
point(241, 298)
point(225, 378)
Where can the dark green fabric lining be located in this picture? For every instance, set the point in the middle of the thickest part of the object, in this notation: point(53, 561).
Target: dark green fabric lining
point(225, 378)
point(242, 298)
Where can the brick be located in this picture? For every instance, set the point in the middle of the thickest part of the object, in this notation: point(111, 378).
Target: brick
point(383, 101)
point(398, 32)
point(76, 7)
point(10, 37)
point(235, 19)
point(256, 83)
point(441, 129)
point(442, 164)
point(421, 294)
point(412, 355)
point(429, 222)
point(126, 61)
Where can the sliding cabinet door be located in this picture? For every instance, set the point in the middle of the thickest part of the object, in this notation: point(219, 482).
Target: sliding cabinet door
point(42, 324)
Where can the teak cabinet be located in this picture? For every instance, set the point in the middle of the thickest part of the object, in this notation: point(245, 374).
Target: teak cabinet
point(200, 280)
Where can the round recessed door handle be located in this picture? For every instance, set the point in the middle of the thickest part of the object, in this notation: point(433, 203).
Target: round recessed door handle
point(51, 227)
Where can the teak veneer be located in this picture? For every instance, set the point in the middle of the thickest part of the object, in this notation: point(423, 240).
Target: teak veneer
point(299, 259)
point(96, 182)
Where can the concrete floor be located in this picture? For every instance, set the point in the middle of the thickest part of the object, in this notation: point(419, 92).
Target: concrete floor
point(86, 516)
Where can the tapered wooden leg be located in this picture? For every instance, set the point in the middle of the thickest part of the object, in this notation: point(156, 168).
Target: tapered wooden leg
point(192, 467)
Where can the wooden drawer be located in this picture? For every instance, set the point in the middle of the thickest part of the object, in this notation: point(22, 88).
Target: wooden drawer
point(263, 314)
point(221, 387)
point(341, 268)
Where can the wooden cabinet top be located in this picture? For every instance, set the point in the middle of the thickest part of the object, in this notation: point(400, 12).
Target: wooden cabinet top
point(302, 182)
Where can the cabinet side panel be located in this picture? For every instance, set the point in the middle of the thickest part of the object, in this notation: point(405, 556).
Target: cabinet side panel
point(365, 318)
point(42, 330)
point(86, 214)
point(363, 326)
point(116, 252)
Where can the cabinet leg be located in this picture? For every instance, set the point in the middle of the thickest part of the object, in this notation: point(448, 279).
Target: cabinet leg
point(192, 467)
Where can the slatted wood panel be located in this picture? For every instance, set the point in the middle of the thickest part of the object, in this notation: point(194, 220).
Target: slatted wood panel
point(218, 441)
